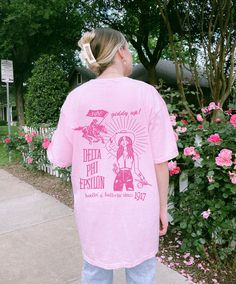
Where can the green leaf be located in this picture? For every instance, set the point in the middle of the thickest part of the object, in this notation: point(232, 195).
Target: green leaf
point(183, 225)
point(180, 145)
point(199, 232)
point(211, 186)
point(202, 241)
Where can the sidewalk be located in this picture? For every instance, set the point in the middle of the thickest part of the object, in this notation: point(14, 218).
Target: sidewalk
point(39, 242)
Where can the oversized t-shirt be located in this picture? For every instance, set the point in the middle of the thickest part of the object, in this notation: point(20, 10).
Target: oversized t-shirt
point(112, 131)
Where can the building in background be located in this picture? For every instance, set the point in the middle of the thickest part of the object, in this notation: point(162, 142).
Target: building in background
point(165, 71)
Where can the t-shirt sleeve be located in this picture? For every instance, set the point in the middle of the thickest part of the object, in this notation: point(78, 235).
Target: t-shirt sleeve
point(161, 132)
point(60, 149)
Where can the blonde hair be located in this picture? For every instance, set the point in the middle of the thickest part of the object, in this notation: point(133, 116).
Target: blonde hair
point(104, 43)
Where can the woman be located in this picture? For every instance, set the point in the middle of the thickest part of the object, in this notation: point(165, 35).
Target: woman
point(116, 229)
point(126, 159)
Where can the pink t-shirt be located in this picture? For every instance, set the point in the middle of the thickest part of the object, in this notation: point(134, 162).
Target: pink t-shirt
point(112, 131)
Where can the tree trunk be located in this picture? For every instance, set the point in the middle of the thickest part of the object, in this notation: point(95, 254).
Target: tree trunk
point(19, 102)
point(152, 76)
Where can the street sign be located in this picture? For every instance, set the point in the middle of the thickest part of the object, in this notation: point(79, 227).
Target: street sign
point(7, 71)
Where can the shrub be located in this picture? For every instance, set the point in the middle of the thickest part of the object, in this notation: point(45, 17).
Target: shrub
point(205, 212)
point(46, 92)
point(32, 147)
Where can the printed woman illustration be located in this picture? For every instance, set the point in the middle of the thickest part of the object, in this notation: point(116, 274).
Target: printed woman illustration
point(126, 159)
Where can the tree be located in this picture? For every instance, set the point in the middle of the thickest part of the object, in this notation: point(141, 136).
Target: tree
point(209, 26)
point(46, 91)
point(31, 28)
point(140, 21)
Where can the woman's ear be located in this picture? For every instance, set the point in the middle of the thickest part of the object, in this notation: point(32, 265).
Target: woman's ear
point(121, 52)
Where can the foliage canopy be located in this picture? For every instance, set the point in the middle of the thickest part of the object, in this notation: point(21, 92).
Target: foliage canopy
point(47, 90)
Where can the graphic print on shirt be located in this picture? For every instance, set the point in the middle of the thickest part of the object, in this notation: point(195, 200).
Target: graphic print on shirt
point(94, 131)
point(126, 143)
point(92, 180)
point(123, 137)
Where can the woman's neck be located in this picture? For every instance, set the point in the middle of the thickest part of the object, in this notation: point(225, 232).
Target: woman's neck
point(112, 72)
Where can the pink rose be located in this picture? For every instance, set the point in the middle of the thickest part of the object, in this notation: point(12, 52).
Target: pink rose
point(233, 120)
point(173, 119)
point(229, 111)
point(33, 133)
point(218, 120)
point(205, 110)
point(22, 133)
point(172, 165)
point(28, 138)
point(213, 106)
point(173, 168)
point(46, 143)
point(199, 118)
point(214, 138)
point(29, 160)
point(206, 214)
point(189, 151)
point(232, 177)
point(223, 162)
point(226, 154)
point(196, 156)
point(224, 158)
point(7, 140)
point(184, 121)
point(180, 129)
point(210, 179)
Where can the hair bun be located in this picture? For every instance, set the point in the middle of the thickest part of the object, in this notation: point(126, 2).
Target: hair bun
point(86, 38)
point(99, 47)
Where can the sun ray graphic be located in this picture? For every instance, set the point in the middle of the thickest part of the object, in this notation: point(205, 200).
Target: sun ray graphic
point(130, 125)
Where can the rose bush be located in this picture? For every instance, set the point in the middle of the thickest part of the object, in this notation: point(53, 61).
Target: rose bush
point(33, 146)
point(30, 147)
point(205, 212)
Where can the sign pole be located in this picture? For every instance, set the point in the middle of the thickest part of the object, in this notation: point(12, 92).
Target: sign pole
point(7, 77)
point(8, 111)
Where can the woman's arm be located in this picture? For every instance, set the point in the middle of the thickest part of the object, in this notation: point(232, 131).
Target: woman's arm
point(162, 175)
point(60, 149)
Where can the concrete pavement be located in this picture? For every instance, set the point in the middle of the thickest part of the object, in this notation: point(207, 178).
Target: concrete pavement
point(39, 243)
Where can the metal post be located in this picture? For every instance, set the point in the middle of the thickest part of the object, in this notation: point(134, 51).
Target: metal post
point(8, 119)
point(8, 111)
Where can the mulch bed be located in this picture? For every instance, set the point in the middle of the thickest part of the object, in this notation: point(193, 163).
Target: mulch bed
point(194, 268)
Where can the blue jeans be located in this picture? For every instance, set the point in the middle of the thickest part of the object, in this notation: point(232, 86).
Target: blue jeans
point(144, 273)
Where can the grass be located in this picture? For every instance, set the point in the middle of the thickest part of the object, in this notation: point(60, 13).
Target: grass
point(4, 131)
point(4, 157)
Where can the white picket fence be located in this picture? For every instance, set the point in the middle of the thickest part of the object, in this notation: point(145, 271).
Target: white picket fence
point(44, 132)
